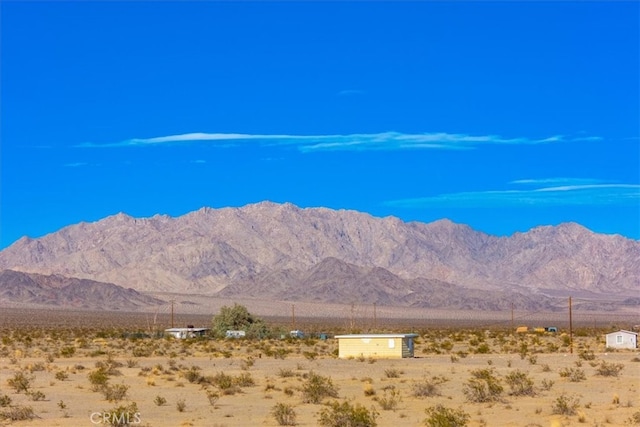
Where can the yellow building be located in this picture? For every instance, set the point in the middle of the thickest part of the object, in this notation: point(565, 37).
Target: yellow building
point(381, 346)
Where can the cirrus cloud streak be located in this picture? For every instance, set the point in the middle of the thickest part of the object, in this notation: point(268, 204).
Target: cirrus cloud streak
point(350, 142)
point(564, 195)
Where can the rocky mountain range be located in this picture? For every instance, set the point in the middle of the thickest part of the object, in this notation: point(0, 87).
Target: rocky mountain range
point(280, 251)
point(56, 290)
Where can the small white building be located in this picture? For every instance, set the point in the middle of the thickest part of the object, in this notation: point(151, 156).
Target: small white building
point(183, 333)
point(622, 339)
point(380, 346)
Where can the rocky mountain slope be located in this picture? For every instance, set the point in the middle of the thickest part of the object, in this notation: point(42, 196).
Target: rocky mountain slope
point(278, 250)
point(60, 291)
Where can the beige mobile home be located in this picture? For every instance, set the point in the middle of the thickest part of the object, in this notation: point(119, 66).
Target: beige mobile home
point(381, 346)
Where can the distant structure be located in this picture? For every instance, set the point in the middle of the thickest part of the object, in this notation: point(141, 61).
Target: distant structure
point(379, 346)
point(622, 339)
point(235, 334)
point(188, 332)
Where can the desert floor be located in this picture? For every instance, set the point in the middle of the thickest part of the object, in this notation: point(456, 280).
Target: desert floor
point(182, 382)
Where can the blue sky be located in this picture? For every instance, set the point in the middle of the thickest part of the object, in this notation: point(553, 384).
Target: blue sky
point(500, 115)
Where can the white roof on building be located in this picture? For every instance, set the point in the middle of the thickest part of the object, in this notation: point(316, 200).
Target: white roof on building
point(186, 329)
point(369, 336)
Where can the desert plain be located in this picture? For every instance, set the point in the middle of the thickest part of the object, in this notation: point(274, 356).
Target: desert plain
point(82, 372)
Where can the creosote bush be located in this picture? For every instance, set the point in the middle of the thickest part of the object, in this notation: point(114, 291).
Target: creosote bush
point(428, 387)
point(439, 416)
point(123, 415)
point(317, 388)
point(520, 383)
point(483, 386)
point(284, 414)
point(344, 414)
point(565, 405)
point(573, 374)
point(609, 369)
point(18, 413)
point(20, 382)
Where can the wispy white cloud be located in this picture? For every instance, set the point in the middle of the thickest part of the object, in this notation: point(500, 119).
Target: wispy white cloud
point(75, 165)
point(558, 181)
point(565, 195)
point(351, 142)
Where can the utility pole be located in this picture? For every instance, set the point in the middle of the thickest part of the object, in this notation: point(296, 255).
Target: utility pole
point(375, 320)
point(293, 317)
point(352, 320)
point(512, 318)
point(570, 328)
point(172, 301)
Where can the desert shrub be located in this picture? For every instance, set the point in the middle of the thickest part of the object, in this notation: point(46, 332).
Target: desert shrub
point(193, 375)
point(609, 369)
point(39, 366)
point(284, 414)
point(98, 379)
point(483, 386)
point(446, 345)
point(222, 380)
point(212, 397)
point(244, 380)
point(5, 401)
point(285, 373)
point(439, 416)
point(36, 395)
point(115, 393)
point(67, 351)
point(634, 419)
point(317, 388)
point(142, 351)
point(132, 363)
point(547, 384)
point(346, 415)
point(122, 416)
point(160, 401)
point(482, 349)
point(18, 413)
point(309, 355)
point(586, 355)
point(20, 382)
point(392, 373)
point(565, 405)
point(390, 399)
point(428, 387)
point(574, 375)
point(61, 376)
point(520, 383)
point(181, 405)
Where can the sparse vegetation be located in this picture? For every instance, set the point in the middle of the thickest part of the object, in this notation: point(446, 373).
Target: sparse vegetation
point(226, 372)
point(440, 416)
point(317, 388)
point(344, 414)
point(284, 414)
point(483, 386)
point(565, 405)
point(520, 383)
point(20, 382)
point(609, 369)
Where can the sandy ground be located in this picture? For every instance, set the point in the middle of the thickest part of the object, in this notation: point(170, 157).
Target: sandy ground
point(603, 400)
